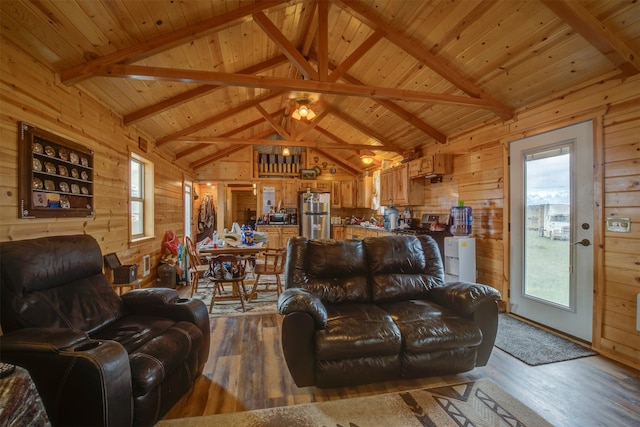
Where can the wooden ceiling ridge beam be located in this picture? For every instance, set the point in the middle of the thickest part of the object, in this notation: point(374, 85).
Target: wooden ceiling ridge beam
point(287, 48)
point(403, 114)
point(182, 98)
point(208, 122)
point(286, 84)
point(365, 14)
point(597, 34)
point(198, 147)
point(166, 41)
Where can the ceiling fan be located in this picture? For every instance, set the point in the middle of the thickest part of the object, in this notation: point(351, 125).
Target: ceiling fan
point(303, 103)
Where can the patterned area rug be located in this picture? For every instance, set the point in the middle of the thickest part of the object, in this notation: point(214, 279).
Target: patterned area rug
point(478, 403)
point(535, 346)
point(265, 302)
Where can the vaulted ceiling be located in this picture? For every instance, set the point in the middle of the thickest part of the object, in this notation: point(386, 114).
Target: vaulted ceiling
point(206, 78)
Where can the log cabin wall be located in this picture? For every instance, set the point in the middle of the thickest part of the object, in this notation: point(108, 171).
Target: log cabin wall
point(31, 92)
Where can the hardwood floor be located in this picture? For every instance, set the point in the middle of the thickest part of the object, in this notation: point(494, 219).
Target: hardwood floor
point(246, 370)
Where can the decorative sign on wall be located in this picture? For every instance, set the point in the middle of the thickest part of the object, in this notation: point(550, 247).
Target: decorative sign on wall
point(56, 175)
point(268, 199)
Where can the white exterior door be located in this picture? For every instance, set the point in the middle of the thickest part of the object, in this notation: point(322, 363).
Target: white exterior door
point(551, 216)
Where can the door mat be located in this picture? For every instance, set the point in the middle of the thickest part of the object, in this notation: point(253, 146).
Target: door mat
point(535, 346)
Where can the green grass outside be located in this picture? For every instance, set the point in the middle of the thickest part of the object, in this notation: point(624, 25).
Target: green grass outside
point(547, 268)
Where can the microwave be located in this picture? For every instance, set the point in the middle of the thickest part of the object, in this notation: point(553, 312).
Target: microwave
point(278, 218)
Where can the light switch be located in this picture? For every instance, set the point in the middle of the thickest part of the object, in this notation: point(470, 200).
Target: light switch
point(619, 225)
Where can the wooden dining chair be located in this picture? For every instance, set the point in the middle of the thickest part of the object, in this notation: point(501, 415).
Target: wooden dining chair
point(229, 269)
point(197, 269)
point(273, 264)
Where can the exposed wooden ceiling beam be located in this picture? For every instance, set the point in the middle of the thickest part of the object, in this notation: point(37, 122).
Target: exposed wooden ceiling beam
point(175, 101)
point(339, 145)
point(363, 12)
point(210, 121)
point(265, 82)
point(355, 169)
point(246, 126)
point(365, 130)
point(356, 55)
point(276, 126)
point(307, 27)
point(597, 34)
point(287, 48)
point(163, 42)
point(323, 40)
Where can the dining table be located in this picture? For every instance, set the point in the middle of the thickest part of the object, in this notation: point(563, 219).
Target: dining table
point(245, 251)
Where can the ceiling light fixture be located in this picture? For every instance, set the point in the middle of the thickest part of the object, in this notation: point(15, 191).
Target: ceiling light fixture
point(367, 157)
point(303, 111)
point(286, 152)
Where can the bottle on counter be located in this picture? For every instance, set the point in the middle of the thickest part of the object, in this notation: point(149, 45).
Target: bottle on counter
point(461, 219)
point(390, 218)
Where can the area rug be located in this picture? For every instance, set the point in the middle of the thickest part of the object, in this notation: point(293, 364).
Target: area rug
point(477, 403)
point(535, 346)
point(265, 302)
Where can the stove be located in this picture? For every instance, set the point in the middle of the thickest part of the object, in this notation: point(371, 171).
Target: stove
point(425, 229)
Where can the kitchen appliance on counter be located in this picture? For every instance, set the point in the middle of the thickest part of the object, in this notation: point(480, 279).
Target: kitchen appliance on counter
point(315, 215)
point(293, 215)
point(278, 218)
point(433, 225)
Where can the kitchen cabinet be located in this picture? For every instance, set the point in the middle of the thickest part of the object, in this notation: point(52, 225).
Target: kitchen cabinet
point(364, 191)
point(278, 235)
point(286, 233)
point(338, 232)
point(396, 187)
point(386, 187)
point(290, 193)
point(429, 166)
point(336, 195)
point(347, 190)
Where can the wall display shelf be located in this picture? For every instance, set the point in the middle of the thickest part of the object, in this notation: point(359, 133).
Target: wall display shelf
point(56, 175)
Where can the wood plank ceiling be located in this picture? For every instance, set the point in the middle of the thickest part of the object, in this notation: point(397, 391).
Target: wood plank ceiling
point(208, 77)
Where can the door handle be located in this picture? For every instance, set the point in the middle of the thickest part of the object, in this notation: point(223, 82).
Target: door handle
point(583, 242)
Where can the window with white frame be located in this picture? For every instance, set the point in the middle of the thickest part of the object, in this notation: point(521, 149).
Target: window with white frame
point(141, 197)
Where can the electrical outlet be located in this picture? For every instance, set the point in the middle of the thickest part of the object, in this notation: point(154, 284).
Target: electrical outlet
point(619, 225)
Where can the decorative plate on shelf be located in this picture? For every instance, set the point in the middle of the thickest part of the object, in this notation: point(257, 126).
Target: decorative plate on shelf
point(62, 171)
point(49, 167)
point(49, 151)
point(84, 161)
point(37, 148)
point(75, 189)
point(84, 190)
point(64, 187)
point(73, 157)
point(37, 183)
point(84, 175)
point(37, 165)
point(49, 185)
point(63, 154)
point(74, 173)
point(64, 202)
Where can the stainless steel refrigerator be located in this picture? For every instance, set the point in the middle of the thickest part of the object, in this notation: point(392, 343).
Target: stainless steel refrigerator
point(314, 214)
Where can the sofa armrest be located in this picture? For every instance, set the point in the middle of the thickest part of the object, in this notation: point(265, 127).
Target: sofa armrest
point(296, 299)
point(463, 297)
point(81, 381)
point(164, 302)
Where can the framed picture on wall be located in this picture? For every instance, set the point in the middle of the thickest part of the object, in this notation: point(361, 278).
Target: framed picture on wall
point(308, 174)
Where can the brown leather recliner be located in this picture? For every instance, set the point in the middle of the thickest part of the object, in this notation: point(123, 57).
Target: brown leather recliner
point(360, 311)
point(96, 358)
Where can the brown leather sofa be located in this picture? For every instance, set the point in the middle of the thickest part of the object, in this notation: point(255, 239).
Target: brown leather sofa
point(96, 358)
point(360, 311)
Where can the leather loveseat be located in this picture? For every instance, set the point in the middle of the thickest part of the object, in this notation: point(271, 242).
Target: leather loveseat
point(360, 311)
point(96, 358)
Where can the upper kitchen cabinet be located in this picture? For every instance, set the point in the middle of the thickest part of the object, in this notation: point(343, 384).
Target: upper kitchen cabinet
point(364, 192)
point(430, 166)
point(398, 188)
point(290, 193)
point(347, 190)
point(336, 194)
